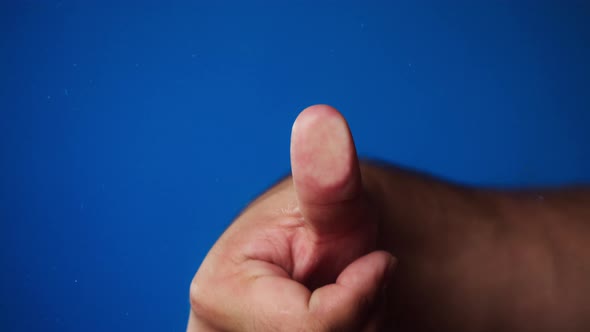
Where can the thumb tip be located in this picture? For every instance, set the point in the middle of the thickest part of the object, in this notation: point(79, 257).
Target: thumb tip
point(389, 270)
point(362, 282)
point(323, 157)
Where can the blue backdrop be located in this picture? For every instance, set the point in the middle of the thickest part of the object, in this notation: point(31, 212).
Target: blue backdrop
point(131, 133)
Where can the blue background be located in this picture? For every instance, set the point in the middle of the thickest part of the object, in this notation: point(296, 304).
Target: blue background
point(131, 133)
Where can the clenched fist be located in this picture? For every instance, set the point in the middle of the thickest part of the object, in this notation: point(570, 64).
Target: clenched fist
point(303, 256)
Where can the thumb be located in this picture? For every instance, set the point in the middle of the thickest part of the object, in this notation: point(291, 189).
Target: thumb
point(349, 303)
point(325, 167)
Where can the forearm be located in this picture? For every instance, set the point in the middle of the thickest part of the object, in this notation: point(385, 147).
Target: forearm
point(422, 216)
point(557, 222)
point(473, 259)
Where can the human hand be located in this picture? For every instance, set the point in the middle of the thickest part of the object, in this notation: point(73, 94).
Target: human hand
point(303, 256)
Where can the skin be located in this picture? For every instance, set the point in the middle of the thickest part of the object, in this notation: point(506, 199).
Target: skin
point(344, 245)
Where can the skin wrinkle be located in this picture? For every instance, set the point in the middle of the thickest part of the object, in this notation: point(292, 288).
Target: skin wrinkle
point(301, 252)
point(313, 242)
point(273, 246)
point(291, 211)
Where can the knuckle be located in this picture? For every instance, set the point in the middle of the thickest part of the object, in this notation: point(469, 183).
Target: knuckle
point(200, 303)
